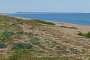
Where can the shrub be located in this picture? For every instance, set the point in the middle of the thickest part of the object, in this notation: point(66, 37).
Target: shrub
point(5, 35)
point(22, 46)
point(2, 45)
point(44, 22)
point(87, 34)
point(84, 34)
point(35, 41)
point(19, 32)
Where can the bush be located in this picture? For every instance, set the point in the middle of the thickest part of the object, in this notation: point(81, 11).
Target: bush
point(5, 36)
point(20, 33)
point(22, 46)
point(44, 22)
point(87, 34)
point(35, 41)
point(84, 34)
point(2, 45)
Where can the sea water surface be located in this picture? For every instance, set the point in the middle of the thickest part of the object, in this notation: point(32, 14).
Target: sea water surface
point(75, 18)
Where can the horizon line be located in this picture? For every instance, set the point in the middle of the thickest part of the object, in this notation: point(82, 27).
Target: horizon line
point(47, 12)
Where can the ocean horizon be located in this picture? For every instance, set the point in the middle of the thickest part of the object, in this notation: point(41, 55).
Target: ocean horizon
point(74, 18)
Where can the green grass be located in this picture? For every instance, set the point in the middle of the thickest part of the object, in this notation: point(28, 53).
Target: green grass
point(28, 56)
point(17, 54)
point(85, 34)
point(41, 58)
point(44, 22)
point(22, 46)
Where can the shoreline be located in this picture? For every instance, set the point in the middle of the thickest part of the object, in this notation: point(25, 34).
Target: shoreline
point(56, 22)
point(82, 28)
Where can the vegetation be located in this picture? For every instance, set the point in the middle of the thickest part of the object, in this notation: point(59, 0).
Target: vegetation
point(40, 58)
point(35, 41)
point(85, 34)
point(22, 46)
point(20, 54)
point(44, 22)
point(2, 45)
point(40, 40)
point(4, 36)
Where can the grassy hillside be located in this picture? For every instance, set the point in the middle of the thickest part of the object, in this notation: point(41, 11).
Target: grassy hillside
point(22, 39)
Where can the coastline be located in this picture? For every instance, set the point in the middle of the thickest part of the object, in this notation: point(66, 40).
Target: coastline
point(82, 28)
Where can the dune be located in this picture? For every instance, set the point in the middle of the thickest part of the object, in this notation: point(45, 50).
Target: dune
point(36, 39)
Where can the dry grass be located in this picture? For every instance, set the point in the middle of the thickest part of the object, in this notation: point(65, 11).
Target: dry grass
point(47, 41)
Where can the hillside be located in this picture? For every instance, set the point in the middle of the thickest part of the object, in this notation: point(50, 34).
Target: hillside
point(22, 39)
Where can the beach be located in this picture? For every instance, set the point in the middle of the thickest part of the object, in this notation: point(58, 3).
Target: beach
point(82, 28)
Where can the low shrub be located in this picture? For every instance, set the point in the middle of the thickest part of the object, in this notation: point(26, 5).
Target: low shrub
point(2, 45)
point(19, 32)
point(87, 34)
point(84, 34)
point(4, 36)
point(22, 46)
point(44, 22)
point(35, 40)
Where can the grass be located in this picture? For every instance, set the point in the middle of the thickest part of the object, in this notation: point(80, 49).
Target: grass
point(35, 41)
point(22, 46)
point(85, 34)
point(42, 58)
point(19, 54)
point(45, 22)
point(28, 56)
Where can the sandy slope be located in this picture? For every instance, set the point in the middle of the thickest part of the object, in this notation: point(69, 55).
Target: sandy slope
point(47, 40)
point(82, 28)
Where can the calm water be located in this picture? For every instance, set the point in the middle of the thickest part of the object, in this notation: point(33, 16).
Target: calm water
point(76, 18)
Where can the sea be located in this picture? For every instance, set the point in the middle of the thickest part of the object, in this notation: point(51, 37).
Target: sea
point(74, 18)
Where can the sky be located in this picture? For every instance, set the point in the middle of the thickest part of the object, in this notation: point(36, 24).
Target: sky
point(45, 6)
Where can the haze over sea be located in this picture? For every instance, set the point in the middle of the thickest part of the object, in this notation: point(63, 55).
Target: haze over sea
point(75, 18)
